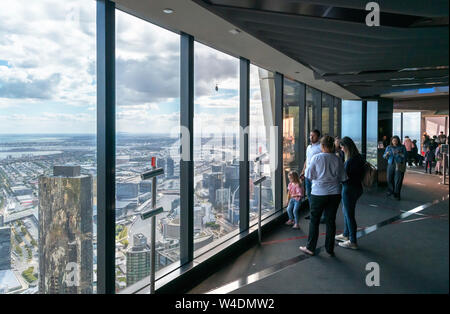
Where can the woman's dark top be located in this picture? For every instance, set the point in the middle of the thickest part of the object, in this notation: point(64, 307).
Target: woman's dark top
point(354, 167)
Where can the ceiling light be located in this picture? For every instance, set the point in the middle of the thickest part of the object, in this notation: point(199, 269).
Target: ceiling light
point(234, 31)
point(168, 11)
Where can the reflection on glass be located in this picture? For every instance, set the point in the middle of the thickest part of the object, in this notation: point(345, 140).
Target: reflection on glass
point(336, 121)
point(291, 131)
point(147, 126)
point(327, 103)
point(313, 101)
point(262, 119)
point(352, 121)
point(216, 145)
point(48, 152)
point(372, 132)
point(396, 124)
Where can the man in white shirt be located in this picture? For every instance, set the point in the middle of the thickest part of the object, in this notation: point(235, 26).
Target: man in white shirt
point(311, 150)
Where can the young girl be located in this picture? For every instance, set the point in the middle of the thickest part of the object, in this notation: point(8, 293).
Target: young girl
point(295, 194)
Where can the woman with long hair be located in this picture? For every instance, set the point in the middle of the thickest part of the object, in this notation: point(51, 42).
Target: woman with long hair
point(396, 156)
point(351, 191)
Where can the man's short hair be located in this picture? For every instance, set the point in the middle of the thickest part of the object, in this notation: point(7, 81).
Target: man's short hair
point(317, 132)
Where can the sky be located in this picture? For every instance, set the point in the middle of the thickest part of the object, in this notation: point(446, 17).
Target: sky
point(48, 73)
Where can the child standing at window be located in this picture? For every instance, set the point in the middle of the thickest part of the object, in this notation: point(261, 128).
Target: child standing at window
point(295, 194)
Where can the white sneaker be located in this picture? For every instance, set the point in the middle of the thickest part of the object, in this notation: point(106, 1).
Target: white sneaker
point(341, 237)
point(348, 245)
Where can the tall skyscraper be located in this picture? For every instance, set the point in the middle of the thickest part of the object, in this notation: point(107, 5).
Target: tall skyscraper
point(65, 232)
point(5, 248)
point(138, 260)
point(170, 166)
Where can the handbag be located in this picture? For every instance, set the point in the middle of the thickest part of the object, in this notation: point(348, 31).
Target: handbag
point(400, 166)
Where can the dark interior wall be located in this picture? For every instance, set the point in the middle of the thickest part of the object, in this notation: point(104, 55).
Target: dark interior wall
point(385, 111)
point(431, 103)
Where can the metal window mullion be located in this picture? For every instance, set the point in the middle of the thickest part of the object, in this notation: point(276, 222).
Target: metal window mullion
point(187, 165)
point(319, 113)
point(279, 87)
point(339, 117)
point(401, 126)
point(244, 118)
point(364, 129)
point(106, 137)
point(331, 117)
point(302, 115)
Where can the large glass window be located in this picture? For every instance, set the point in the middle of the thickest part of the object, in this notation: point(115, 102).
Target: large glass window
point(216, 145)
point(291, 131)
point(352, 121)
point(313, 102)
point(48, 147)
point(372, 132)
point(327, 104)
point(147, 125)
point(261, 137)
point(396, 124)
point(411, 127)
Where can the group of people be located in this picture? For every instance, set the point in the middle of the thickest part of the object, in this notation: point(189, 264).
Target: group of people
point(333, 172)
point(433, 152)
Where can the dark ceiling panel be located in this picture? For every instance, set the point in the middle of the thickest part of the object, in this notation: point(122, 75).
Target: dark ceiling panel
point(325, 36)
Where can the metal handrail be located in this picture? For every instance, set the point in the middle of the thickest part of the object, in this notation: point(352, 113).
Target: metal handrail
point(259, 182)
point(152, 174)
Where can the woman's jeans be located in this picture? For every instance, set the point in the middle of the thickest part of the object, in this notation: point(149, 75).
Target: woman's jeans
point(395, 179)
point(292, 209)
point(350, 195)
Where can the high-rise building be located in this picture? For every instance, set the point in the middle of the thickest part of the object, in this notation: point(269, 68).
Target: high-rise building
point(138, 260)
point(215, 183)
point(65, 232)
point(5, 248)
point(170, 166)
point(232, 177)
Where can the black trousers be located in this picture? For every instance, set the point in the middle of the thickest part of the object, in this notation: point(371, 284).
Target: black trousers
point(327, 204)
point(428, 165)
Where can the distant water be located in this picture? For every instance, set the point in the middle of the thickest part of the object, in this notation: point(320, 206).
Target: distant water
point(38, 138)
point(34, 153)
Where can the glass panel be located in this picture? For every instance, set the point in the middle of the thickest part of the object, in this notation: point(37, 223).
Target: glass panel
point(327, 102)
point(291, 131)
point(262, 121)
point(336, 118)
point(216, 145)
point(48, 160)
point(352, 121)
point(148, 119)
point(313, 101)
point(411, 127)
point(372, 132)
point(396, 124)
